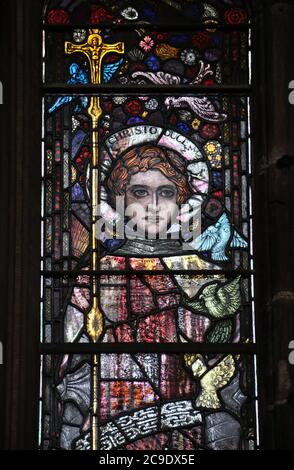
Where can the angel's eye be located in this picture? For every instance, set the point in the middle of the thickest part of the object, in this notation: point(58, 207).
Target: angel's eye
point(139, 193)
point(167, 193)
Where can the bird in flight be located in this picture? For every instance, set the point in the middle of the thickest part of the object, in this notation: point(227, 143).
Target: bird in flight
point(211, 380)
point(201, 106)
point(218, 300)
point(78, 76)
point(217, 237)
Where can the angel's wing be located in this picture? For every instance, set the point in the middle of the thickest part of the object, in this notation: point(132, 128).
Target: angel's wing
point(230, 296)
point(110, 69)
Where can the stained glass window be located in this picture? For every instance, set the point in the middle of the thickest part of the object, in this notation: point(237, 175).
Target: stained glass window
point(147, 299)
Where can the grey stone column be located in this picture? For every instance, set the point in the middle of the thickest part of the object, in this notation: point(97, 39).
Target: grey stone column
point(274, 221)
point(20, 128)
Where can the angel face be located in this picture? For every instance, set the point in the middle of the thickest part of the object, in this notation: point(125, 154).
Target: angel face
point(153, 182)
point(151, 201)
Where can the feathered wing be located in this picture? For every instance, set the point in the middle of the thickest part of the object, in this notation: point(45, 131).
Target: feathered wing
point(220, 332)
point(61, 101)
point(219, 255)
point(160, 78)
point(110, 69)
point(238, 241)
point(197, 306)
point(206, 240)
point(204, 108)
point(230, 296)
point(213, 380)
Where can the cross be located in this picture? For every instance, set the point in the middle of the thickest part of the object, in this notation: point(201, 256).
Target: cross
point(94, 49)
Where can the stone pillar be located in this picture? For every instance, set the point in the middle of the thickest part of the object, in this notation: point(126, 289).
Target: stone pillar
point(20, 126)
point(274, 232)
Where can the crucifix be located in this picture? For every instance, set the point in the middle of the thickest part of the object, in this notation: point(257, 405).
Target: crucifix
point(94, 49)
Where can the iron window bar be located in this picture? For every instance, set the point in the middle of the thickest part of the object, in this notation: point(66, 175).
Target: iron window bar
point(184, 28)
point(61, 88)
point(145, 272)
point(135, 348)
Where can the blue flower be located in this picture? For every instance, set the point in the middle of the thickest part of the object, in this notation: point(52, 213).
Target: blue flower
point(135, 120)
point(183, 127)
point(152, 63)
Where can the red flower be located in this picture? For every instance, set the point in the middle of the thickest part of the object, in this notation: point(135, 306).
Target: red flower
point(209, 82)
point(200, 40)
point(133, 107)
point(159, 36)
point(235, 16)
point(210, 131)
point(58, 16)
point(99, 15)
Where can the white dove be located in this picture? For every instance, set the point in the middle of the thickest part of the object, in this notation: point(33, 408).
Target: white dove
point(203, 107)
point(211, 380)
